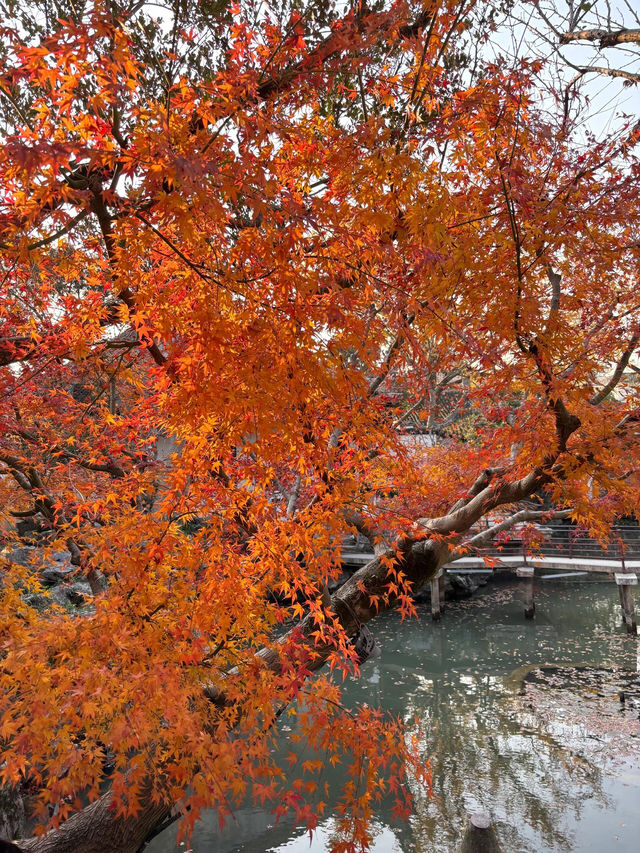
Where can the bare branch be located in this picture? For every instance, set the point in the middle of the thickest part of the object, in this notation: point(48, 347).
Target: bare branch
point(293, 496)
point(617, 373)
point(610, 72)
point(462, 517)
point(555, 279)
point(606, 38)
point(124, 293)
point(522, 516)
point(62, 453)
point(482, 481)
point(363, 525)
point(39, 244)
point(388, 359)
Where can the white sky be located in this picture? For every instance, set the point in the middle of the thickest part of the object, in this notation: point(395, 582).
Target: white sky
point(605, 100)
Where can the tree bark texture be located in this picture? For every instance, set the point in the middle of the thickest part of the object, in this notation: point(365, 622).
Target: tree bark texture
point(97, 829)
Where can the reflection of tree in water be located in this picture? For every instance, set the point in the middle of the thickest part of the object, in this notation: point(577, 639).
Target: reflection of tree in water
point(484, 758)
point(487, 754)
point(488, 750)
point(590, 708)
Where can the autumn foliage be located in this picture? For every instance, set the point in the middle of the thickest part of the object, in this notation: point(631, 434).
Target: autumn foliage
point(240, 247)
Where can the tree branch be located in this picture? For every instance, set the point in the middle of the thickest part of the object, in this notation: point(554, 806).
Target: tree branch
point(606, 38)
point(555, 280)
point(124, 293)
point(481, 482)
point(487, 535)
point(610, 72)
point(617, 373)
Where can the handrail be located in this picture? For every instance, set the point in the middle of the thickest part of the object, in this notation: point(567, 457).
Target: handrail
point(569, 541)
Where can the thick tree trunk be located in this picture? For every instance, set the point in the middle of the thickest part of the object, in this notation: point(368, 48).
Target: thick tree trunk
point(96, 829)
point(365, 594)
point(12, 817)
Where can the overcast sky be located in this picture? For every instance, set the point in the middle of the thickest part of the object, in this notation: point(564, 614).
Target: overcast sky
point(532, 28)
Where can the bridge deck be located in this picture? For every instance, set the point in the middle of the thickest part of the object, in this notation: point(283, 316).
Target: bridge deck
point(582, 564)
point(468, 565)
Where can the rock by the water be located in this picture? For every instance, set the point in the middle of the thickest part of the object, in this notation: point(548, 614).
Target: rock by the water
point(31, 529)
point(53, 575)
point(456, 587)
point(459, 586)
point(61, 557)
point(79, 593)
point(37, 600)
point(58, 595)
point(22, 555)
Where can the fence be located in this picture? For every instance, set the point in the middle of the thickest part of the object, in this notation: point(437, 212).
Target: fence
point(568, 541)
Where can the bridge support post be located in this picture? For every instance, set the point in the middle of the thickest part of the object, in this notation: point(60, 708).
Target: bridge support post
point(625, 583)
point(436, 599)
point(527, 573)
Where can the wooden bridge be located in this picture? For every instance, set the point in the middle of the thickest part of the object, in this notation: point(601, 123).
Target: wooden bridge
point(566, 553)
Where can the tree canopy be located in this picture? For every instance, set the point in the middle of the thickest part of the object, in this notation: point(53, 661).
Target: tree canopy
point(245, 247)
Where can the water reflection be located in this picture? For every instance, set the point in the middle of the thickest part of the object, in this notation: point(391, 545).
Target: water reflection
point(551, 783)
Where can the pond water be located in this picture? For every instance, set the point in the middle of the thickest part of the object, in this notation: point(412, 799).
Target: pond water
point(554, 760)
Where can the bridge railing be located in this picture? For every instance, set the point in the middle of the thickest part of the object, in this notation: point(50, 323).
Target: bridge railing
point(568, 541)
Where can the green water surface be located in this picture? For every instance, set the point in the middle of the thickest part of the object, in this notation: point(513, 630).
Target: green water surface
point(558, 768)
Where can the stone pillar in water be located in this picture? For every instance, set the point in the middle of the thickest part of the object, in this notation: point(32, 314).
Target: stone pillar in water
point(480, 836)
point(436, 609)
point(626, 582)
point(527, 572)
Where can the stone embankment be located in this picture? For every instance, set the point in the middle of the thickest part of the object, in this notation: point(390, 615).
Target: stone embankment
point(61, 582)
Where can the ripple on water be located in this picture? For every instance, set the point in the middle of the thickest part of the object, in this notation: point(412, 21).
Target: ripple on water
point(509, 729)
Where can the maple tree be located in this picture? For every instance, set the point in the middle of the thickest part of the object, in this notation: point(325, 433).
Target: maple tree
point(263, 239)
